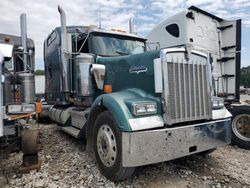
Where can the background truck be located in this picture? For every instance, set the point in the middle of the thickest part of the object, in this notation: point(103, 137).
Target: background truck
point(17, 97)
point(129, 104)
point(221, 40)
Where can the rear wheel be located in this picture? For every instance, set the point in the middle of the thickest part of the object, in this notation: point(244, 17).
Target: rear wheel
point(108, 148)
point(241, 126)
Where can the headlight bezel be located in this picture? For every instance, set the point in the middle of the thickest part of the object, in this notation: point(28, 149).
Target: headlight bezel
point(143, 108)
point(14, 108)
point(217, 103)
point(23, 108)
point(30, 107)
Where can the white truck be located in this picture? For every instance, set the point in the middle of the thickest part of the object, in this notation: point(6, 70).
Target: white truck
point(221, 40)
point(17, 98)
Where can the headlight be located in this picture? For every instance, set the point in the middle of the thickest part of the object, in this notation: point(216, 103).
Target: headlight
point(14, 109)
point(144, 108)
point(218, 102)
point(20, 109)
point(28, 107)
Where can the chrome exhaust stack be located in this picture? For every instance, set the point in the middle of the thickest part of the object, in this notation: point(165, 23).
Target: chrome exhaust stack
point(23, 22)
point(64, 73)
point(131, 25)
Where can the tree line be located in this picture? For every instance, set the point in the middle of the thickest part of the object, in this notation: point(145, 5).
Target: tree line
point(39, 72)
point(245, 77)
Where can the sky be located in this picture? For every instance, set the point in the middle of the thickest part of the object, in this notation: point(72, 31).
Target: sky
point(43, 17)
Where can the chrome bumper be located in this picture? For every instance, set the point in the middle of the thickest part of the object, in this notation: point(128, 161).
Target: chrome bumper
point(153, 146)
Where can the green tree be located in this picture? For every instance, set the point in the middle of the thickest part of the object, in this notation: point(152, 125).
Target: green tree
point(39, 72)
point(245, 77)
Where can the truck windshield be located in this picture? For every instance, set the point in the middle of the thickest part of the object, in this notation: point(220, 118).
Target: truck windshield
point(116, 45)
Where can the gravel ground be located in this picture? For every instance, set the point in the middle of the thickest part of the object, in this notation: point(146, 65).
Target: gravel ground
point(67, 164)
point(245, 99)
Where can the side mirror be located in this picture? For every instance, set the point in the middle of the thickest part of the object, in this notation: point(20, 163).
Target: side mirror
point(20, 49)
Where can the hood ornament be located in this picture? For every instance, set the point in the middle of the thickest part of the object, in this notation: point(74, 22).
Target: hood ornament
point(138, 69)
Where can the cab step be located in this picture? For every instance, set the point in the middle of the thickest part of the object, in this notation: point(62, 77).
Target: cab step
point(79, 118)
point(72, 131)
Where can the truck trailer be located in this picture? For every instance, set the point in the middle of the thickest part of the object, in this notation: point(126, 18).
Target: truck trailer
point(221, 40)
point(17, 93)
point(128, 103)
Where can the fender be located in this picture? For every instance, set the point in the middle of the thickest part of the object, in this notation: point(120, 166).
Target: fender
point(118, 104)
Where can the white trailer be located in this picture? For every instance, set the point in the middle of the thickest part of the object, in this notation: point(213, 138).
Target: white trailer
point(40, 85)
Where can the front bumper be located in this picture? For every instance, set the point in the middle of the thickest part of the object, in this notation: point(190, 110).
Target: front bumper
point(153, 146)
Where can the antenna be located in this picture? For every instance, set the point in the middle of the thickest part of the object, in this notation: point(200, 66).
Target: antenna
point(100, 14)
point(100, 17)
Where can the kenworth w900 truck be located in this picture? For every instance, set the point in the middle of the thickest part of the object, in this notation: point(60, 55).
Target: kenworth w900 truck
point(221, 39)
point(132, 106)
point(17, 98)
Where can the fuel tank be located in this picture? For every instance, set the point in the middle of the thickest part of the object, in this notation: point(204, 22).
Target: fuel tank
point(27, 82)
point(84, 79)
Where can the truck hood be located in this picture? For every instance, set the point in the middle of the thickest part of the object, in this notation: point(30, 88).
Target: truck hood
point(130, 71)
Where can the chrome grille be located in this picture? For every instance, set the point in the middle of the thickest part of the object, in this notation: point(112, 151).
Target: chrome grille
point(188, 96)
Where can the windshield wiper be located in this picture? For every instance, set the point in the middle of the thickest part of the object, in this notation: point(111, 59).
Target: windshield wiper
point(121, 53)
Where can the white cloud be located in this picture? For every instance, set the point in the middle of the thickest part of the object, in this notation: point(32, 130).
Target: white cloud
point(245, 63)
point(42, 16)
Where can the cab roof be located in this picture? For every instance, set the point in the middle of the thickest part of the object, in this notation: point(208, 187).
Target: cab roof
point(95, 29)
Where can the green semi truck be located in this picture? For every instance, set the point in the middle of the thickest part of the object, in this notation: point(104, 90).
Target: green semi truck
point(132, 106)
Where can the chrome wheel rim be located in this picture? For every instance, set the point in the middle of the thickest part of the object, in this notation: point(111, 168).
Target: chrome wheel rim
point(106, 145)
point(241, 126)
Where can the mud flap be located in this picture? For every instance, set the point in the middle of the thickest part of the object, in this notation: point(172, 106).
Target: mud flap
point(30, 146)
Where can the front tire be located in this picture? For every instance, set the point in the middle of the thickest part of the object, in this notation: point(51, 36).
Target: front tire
point(108, 148)
point(241, 126)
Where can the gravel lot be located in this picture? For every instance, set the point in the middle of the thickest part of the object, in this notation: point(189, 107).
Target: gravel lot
point(67, 164)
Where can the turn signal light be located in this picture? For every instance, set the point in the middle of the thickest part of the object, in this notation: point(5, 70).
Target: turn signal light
point(38, 107)
point(107, 88)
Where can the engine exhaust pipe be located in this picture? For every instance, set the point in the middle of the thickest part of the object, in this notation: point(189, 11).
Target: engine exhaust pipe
point(1, 94)
point(131, 25)
point(64, 73)
point(23, 23)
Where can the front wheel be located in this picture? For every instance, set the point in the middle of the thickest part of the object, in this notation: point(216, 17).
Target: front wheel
point(108, 148)
point(241, 126)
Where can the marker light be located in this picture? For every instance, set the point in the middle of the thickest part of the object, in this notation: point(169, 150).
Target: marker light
point(107, 88)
